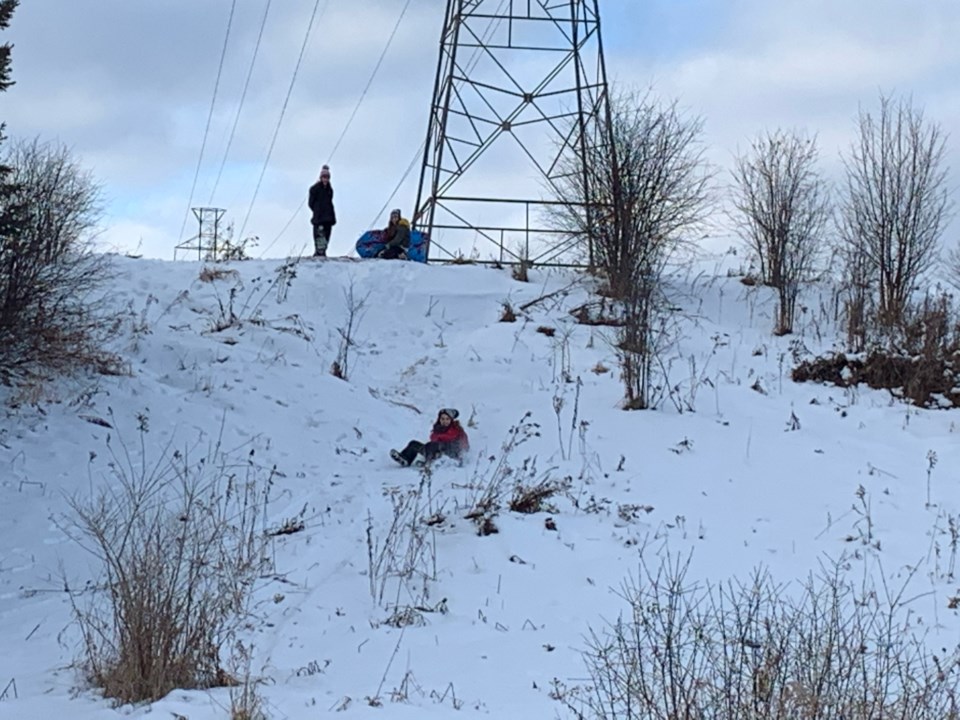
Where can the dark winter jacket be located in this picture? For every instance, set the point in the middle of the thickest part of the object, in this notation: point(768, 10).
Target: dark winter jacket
point(452, 433)
point(397, 235)
point(320, 201)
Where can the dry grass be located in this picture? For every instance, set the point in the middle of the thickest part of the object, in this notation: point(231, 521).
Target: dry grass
point(179, 547)
point(532, 498)
point(754, 651)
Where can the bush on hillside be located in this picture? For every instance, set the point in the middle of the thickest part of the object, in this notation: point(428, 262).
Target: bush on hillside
point(920, 361)
point(179, 543)
point(754, 650)
point(51, 316)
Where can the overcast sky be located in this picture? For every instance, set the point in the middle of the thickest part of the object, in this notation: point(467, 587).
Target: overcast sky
point(128, 85)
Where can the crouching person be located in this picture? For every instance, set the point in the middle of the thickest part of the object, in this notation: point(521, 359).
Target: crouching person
point(396, 237)
point(447, 438)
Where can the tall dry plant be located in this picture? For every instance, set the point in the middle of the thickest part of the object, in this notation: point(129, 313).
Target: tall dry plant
point(179, 543)
point(761, 650)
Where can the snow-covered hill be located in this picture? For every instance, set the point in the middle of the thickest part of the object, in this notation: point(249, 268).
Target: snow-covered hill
point(763, 472)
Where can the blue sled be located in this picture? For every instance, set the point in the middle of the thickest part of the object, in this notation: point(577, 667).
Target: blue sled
point(371, 243)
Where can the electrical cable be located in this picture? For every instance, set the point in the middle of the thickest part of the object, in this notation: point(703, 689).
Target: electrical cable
point(353, 114)
point(472, 62)
point(243, 97)
point(206, 131)
point(283, 110)
point(406, 174)
point(373, 75)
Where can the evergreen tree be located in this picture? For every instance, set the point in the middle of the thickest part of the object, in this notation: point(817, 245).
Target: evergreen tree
point(8, 214)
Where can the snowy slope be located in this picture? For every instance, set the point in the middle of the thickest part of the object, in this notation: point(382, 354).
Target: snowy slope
point(764, 472)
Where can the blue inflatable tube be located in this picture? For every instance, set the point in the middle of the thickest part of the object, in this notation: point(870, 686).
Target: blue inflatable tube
point(371, 243)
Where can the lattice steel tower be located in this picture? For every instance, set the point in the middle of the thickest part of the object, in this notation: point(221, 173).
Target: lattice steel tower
point(520, 86)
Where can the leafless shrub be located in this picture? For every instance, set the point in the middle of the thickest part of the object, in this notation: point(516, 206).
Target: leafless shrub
point(53, 318)
point(210, 274)
point(490, 485)
point(179, 544)
point(520, 271)
point(922, 365)
point(636, 202)
point(404, 560)
point(229, 250)
point(291, 525)
point(244, 305)
point(643, 344)
point(532, 498)
point(246, 703)
point(507, 313)
point(356, 308)
point(782, 209)
point(756, 650)
point(602, 312)
point(461, 259)
point(897, 201)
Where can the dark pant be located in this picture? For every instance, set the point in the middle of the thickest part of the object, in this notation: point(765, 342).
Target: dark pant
point(392, 252)
point(321, 237)
point(430, 450)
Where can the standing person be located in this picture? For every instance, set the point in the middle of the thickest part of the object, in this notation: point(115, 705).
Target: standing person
point(446, 438)
point(396, 237)
point(324, 217)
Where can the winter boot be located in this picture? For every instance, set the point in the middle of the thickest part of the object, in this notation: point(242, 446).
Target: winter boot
point(399, 458)
point(420, 460)
point(320, 253)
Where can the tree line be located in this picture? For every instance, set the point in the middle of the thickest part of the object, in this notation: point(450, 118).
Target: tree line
point(644, 192)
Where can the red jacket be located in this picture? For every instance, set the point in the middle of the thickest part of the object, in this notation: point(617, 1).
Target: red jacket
point(453, 433)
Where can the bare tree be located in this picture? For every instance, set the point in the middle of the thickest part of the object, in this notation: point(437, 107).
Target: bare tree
point(896, 202)
point(49, 273)
point(782, 209)
point(648, 190)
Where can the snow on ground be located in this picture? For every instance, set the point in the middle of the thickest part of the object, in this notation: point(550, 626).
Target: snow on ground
point(764, 472)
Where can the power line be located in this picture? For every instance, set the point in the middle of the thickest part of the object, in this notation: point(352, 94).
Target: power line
point(471, 63)
point(373, 75)
point(243, 97)
point(213, 102)
point(283, 110)
point(353, 114)
point(406, 174)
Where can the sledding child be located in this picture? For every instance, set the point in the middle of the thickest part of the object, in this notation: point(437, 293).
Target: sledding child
point(447, 438)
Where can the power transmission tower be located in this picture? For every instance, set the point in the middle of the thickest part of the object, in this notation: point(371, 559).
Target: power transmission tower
point(207, 239)
point(520, 98)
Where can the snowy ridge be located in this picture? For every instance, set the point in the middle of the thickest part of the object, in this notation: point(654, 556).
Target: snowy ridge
point(764, 472)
